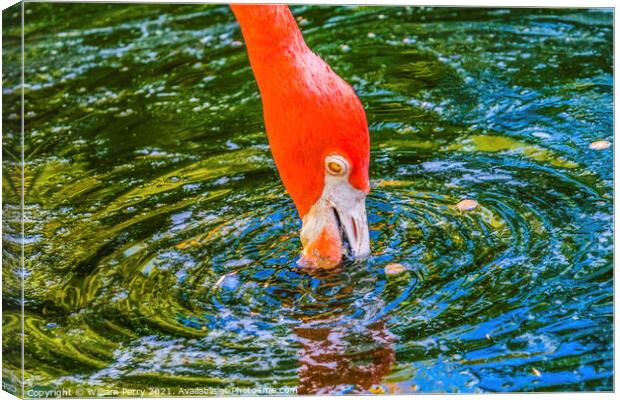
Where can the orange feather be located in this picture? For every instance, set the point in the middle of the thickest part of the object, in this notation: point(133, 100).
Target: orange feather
point(309, 111)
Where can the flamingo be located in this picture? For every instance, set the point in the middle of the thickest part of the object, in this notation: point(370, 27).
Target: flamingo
point(318, 135)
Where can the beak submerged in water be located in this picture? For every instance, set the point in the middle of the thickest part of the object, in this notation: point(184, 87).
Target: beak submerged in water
point(335, 226)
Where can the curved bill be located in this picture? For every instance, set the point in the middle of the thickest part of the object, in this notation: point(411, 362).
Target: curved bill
point(335, 226)
point(354, 227)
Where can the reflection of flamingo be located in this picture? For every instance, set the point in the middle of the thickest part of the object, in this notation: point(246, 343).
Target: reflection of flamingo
point(327, 363)
point(317, 131)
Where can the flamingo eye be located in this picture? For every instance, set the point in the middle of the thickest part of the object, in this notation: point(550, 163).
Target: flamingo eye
point(336, 165)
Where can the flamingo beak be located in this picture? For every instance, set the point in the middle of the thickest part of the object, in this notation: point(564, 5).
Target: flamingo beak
point(335, 227)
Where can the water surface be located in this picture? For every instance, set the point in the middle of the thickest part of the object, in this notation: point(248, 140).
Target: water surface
point(161, 247)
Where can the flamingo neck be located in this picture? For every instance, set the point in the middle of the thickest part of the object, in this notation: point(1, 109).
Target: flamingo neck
point(272, 38)
point(309, 111)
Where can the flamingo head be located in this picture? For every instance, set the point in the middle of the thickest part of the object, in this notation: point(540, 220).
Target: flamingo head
point(320, 143)
point(336, 224)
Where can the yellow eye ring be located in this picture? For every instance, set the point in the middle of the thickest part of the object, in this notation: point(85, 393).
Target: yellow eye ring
point(336, 165)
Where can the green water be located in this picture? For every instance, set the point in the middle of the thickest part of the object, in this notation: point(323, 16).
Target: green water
point(161, 247)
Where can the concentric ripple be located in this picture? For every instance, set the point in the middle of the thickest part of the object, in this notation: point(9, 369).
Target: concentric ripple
point(162, 249)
